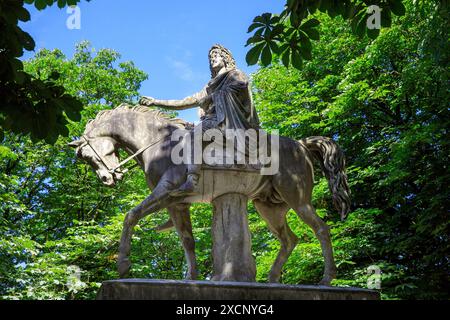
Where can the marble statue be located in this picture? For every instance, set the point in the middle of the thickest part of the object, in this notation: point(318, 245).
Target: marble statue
point(226, 103)
point(145, 134)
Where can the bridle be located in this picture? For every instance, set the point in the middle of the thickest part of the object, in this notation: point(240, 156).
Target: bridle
point(113, 170)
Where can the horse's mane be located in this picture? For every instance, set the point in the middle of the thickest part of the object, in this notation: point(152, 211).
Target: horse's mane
point(125, 108)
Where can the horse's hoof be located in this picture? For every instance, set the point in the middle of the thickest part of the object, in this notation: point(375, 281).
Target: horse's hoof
point(274, 279)
point(191, 277)
point(325, 282)
point(216, 278)
point(123, 267)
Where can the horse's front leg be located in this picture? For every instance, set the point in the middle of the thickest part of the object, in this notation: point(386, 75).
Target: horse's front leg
point(159, 199)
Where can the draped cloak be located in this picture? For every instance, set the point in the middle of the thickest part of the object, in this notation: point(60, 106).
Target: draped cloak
point(232, 106)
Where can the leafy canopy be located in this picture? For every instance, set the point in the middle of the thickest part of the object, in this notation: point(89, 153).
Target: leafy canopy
point(287, 36)
point(386, 103)
point(29, 104)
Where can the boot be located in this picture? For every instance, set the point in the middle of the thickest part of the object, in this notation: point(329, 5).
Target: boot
point(188, 187)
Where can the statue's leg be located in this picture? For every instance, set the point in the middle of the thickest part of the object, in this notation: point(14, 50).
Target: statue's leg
point(159, 199)
point(188, 187)
point(181, 219)
point(275, 217)
point(193, 170)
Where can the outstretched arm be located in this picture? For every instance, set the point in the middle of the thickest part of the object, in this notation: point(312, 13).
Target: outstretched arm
point(193, 101)
point(186, 103)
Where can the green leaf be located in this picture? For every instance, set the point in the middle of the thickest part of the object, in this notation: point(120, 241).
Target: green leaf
point(254, 53)
point(397, 7)
point(40, 4)
point(254, 39)
point(296, 59)
point(274, 20)
point(285, 57)
point(277, 30)
point(311, 23)
point(27, 41)
point(254, 26)
point(313, 34)
point(294, 19)
point(305, 47)
point(274, 47)
point(266, 57)
point(22, 14)
point(61, 3)
point(72, 108)
point(264, 18)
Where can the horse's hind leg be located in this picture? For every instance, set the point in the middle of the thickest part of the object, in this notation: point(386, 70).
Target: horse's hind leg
point(180, 216)
point(295, 188)
point(308, 214)
point(275, 217)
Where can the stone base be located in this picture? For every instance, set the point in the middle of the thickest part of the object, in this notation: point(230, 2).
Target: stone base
point(143, 289)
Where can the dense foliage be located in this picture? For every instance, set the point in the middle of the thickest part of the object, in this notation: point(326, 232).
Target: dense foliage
point(386, 103)
point(45, 194)
point(288, 35)
point(29, 104)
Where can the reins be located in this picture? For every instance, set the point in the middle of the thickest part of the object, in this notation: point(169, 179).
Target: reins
point(121, 164)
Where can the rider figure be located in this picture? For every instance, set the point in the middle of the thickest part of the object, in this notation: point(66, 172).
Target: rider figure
point(225, 102)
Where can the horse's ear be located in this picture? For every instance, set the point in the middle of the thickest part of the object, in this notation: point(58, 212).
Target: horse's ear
point(75, 143)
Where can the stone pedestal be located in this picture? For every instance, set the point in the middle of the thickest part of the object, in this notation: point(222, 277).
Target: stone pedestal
point(232, 255)
point(141, 289)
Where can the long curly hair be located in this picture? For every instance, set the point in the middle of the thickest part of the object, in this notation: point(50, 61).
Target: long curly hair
point(230, 63)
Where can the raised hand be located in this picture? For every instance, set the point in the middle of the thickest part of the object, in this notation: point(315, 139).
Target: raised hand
point(147, 101)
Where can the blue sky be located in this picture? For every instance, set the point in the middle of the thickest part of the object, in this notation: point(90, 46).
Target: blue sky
point(169, 40)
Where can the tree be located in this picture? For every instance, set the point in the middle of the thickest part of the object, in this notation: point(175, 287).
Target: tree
point(29, 104)
point(385, 102)
point(288, 35)
point(44, 192)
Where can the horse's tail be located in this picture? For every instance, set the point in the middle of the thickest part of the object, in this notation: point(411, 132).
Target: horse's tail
point(332, 162)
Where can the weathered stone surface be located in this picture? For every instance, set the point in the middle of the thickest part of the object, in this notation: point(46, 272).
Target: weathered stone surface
point(148, 137)
point(232, 246)
point(142, 289)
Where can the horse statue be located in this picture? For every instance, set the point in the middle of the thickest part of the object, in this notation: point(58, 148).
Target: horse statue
point(145, 134)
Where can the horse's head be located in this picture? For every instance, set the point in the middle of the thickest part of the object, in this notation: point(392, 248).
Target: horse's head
point(102, 156)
